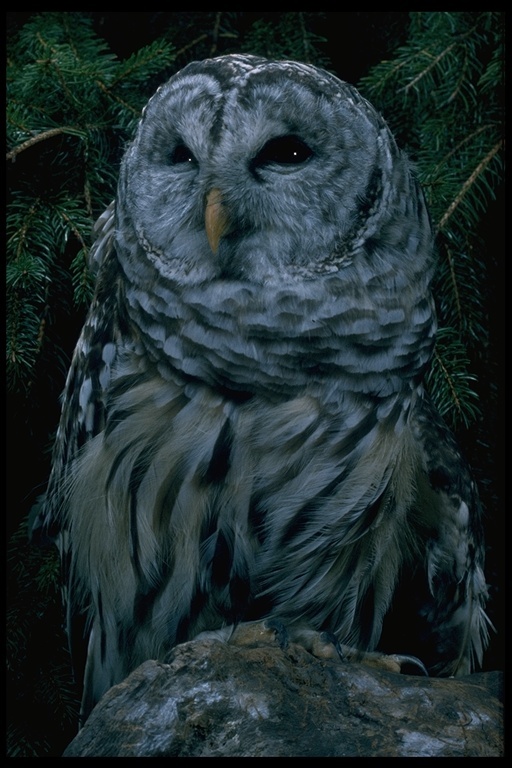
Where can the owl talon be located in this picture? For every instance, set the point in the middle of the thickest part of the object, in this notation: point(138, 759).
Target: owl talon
point(399, 663)
point(325, 645)
point(412, 663)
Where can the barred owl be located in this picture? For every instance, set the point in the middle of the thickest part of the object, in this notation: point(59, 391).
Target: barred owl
point(245, 434)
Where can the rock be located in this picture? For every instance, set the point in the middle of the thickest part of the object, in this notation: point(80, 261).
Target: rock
point(216, 699)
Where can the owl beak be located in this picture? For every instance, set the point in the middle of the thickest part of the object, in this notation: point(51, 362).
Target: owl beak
point(216, 220)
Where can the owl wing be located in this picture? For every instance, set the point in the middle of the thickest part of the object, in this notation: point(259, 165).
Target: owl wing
point(445, 594)
point(83, 416)
point(88, 378)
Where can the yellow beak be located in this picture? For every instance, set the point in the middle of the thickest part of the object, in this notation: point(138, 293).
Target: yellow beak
point(216, 220)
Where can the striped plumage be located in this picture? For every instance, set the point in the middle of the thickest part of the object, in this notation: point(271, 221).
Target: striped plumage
point(244, 431)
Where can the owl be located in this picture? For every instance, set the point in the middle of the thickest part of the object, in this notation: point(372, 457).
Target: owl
point(245, 435)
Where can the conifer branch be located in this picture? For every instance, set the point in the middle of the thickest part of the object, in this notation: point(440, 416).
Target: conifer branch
point(469, 183)
point(215, 33)
point(449, 381)
point(455, 283)
point(466, 140)
point(107, 91)
point(437, 59)
point(40, 137)
point(190, 45)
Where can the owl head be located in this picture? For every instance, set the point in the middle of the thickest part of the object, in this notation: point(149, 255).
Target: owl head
point(254, 184)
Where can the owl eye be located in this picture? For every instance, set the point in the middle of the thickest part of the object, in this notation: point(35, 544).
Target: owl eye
point(181, 154)
point(283, 150)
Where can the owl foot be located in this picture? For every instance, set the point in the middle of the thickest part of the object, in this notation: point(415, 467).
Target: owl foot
point(322, 645)
point(325, 645)
point(399, 663)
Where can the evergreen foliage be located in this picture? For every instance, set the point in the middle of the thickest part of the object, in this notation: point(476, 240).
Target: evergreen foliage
point(73, 103)
point(71, 106)
point(442, 94)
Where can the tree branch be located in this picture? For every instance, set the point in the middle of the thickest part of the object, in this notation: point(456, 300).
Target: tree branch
point(40, 137)
point(215, 33)
point(469, 183)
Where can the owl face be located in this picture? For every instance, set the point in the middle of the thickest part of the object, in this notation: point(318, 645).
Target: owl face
point(249, 170)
